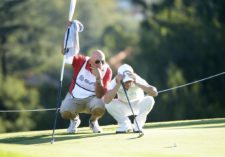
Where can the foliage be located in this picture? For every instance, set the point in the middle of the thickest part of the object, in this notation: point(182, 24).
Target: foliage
point(173, 41)
point(27, 45)
point(16, 96)
point(182, 42)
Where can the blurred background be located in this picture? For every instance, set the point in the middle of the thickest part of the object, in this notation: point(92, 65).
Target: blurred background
point(168, 43)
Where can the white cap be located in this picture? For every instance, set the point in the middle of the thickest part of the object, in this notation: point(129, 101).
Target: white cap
point(125, 70)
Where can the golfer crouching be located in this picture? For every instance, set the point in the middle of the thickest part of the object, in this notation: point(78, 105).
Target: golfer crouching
point(120, 108)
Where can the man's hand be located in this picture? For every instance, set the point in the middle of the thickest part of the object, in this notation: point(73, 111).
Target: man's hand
point(69, 23)
point(96, 72)
point(132, 75)
point(99, 89)
point(119, 77)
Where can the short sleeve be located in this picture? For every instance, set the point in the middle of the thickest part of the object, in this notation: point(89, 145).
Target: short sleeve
point(112, 84)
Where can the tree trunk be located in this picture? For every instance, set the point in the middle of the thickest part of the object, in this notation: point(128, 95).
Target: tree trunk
point(3, 58)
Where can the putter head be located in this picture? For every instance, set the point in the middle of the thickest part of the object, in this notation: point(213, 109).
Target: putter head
point(140, 135)
point(52, 141)
point(140, 132)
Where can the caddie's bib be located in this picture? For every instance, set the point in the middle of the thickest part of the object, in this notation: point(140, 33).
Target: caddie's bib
point(85, 83)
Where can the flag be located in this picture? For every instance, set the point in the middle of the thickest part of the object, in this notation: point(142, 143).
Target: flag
point(71, 44)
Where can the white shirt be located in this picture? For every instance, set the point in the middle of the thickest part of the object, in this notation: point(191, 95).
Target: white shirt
point(134, 92)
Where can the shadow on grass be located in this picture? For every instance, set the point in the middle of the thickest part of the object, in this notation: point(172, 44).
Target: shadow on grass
point(46, 138)
point(207, 127)
point(203, 122)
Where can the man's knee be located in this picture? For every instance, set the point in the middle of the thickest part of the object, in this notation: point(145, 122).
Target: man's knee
point(98, 111)
point(148, 103)
point(67, 115)
point(150, 100)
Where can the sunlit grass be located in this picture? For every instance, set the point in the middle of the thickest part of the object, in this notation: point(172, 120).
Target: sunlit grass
point(199, 138)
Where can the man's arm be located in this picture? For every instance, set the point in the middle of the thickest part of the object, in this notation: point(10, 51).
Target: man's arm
point(149, 89)
point(102, 83)
point(110, 94)
point(99, 88)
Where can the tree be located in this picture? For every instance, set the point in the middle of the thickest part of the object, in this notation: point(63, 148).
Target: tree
point(25, 45)
point(185, 38)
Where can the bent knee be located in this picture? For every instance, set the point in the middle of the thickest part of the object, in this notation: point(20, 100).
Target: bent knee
point(150, 100)
point(66, 115)
point(98, 111)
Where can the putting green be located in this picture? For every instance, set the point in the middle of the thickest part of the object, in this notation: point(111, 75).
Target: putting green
point(196, 138)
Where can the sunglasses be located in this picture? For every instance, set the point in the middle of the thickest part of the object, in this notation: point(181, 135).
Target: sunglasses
point(98, 62)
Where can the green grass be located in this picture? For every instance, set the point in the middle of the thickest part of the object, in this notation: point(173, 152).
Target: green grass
point(196, 138)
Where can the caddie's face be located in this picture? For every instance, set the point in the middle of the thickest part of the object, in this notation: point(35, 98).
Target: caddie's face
point(98, 60)
point(128, 84)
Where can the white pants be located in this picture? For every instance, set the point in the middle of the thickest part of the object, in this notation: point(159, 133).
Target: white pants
point(120, 111)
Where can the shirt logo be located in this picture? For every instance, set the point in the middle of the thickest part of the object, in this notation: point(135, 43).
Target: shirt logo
point(82, 79)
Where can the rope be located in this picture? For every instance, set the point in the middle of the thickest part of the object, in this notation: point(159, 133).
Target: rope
point(188, 84)
point(34, 110)
point(159, 92)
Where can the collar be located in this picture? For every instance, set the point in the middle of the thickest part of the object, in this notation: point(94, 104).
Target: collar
point(88, 65)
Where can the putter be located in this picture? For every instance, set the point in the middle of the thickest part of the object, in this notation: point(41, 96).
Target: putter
point(140, 132)
point(71, 12)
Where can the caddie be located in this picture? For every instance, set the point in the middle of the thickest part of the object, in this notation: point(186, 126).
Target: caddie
point(91, 76)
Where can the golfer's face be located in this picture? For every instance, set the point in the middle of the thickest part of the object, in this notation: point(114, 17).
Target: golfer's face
point(128, 84)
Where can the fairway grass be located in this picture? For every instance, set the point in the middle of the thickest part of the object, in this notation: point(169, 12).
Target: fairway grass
point(196, 138)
